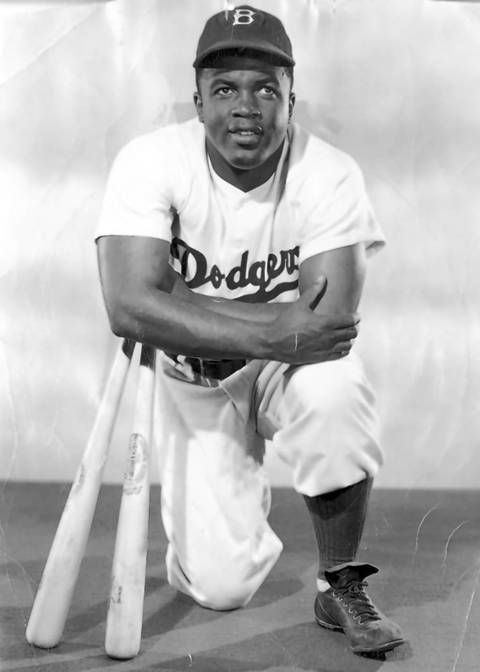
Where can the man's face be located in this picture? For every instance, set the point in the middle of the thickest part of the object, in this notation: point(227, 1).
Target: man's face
point(245, 104)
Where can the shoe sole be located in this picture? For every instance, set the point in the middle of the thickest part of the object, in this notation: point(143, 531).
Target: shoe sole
point(388, 646)
point(328, 626)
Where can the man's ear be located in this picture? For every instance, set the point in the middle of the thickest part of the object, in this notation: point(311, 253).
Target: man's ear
point(197, 101)
point(291, 104)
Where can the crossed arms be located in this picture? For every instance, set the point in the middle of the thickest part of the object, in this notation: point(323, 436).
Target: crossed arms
point(147, 301)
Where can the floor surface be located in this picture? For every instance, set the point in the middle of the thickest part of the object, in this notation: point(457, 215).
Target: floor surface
point(427, 544)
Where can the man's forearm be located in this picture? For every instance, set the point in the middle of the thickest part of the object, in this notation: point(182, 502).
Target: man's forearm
point(253, 312)
point(172, 323)
point(296, 336)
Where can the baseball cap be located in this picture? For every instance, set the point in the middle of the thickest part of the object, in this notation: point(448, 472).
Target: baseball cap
point(244, 27)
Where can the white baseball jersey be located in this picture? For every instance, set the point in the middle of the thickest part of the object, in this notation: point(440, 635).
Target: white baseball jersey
point(226, 242)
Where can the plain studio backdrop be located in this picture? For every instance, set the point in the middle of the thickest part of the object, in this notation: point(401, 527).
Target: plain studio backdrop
point(396, 83)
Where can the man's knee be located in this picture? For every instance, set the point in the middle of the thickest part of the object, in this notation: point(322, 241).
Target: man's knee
point(329, 430)
point(228, 581)
point(224, 593)
point(232, 584)
point(220, 590)
point(333, 388)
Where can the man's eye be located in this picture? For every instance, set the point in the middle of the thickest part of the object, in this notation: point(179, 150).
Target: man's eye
point(224, 90)
point(267, 91)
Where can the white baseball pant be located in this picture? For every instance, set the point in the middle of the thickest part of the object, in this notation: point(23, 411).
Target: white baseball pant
point(215, 494)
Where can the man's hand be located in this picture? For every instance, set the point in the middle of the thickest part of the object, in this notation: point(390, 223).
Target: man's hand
point(300, 336)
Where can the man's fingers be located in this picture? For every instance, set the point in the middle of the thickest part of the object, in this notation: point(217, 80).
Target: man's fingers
point(333, 354)
point(344, 347)
point(348, 334)
point(337, 334)
point(338, 355)
point(339, 322)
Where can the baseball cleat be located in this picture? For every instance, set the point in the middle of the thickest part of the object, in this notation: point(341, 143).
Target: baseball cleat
point(346, 607)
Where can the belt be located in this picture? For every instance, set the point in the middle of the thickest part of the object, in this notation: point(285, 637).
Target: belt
point(211, 368)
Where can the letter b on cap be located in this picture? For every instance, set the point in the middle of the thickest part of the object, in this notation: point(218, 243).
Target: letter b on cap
point(243, 17)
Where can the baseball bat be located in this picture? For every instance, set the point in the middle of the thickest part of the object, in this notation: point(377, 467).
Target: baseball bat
point(125, 611)
point(54, 595)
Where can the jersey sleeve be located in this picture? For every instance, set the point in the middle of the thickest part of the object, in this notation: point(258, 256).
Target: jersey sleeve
point(139, 196)
point(336, 211)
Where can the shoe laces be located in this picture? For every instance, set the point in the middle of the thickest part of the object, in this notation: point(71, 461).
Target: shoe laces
point(357, 602)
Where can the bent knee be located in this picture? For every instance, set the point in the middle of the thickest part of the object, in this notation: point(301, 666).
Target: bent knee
point(232, 583)
point(330, 385)
point(222, 595)
point(223, 587)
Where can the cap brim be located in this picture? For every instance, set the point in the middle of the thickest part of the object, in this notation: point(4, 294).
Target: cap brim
point(232, 45)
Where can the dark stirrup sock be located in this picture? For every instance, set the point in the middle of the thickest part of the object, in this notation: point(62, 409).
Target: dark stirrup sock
point(338, 520)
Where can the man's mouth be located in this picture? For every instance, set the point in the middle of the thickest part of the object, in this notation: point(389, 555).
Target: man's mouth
point(247, 137)
point(246, 132)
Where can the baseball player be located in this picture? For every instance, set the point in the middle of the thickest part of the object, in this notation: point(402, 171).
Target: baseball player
point(236, 244)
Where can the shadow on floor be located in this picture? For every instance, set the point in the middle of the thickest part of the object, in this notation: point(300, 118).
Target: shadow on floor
point(427, 545)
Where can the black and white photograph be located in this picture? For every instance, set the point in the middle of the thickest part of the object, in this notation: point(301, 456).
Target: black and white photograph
point(239, 335)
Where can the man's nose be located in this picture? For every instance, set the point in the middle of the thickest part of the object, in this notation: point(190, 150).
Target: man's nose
point(246, 105)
